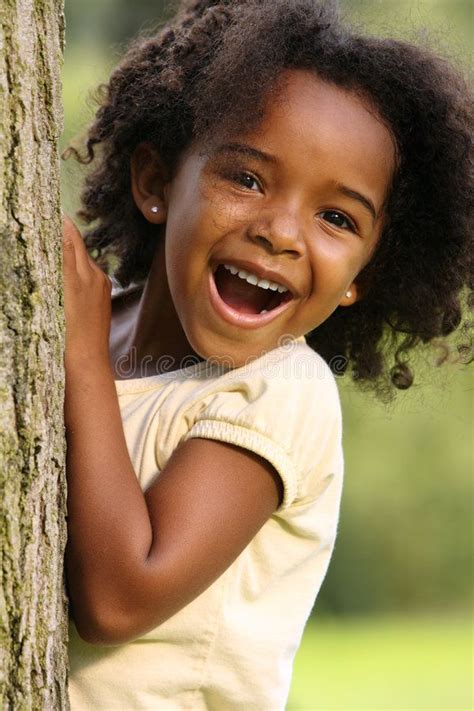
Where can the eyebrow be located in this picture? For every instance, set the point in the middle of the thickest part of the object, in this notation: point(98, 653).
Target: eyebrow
point(365, 201)
point(243, 149)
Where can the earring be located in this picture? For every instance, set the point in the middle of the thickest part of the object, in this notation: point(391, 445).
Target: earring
point(348, 294)
point(153, 210)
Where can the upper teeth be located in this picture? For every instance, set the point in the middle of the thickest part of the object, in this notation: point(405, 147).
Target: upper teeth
point(253, 279)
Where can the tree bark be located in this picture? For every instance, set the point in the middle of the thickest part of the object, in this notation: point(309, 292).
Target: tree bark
point(33, 613)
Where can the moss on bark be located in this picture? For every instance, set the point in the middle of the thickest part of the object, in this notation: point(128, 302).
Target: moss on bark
point(33, 614)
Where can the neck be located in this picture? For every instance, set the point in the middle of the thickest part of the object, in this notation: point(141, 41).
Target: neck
point(156, 342)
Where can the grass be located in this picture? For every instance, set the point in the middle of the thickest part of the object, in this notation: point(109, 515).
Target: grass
point(401, 663)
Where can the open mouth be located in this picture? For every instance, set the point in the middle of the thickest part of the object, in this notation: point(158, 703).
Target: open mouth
point(247, 298)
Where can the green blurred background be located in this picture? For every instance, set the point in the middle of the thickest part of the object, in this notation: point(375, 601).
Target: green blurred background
point(392, 626)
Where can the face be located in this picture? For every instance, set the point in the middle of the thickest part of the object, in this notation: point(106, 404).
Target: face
point(298, 202)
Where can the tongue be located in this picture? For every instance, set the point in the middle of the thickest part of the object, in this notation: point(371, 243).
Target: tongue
point(241, 295)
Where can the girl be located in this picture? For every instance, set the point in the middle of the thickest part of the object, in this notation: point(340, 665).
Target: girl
point(280, 196)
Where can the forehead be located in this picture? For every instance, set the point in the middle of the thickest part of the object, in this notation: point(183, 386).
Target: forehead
point(313, 122)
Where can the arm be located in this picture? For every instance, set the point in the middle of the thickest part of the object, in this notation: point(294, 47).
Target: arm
point(135, 559)
point(128, 572)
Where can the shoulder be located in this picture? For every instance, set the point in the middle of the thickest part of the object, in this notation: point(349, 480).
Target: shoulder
point(295, 360)
point(284, 406)
point(119, 294)
point(292, 374)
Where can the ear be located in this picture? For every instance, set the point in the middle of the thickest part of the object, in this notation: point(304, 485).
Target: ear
point(351, 295)
point(149, 177)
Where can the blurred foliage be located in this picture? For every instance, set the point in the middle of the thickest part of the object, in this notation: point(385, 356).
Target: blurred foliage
point(405, 535)
point(113, 22)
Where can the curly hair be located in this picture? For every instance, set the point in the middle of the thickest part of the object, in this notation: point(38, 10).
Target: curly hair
point(210, 71)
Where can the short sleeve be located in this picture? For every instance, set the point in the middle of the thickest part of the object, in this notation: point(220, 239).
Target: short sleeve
point(284, 408)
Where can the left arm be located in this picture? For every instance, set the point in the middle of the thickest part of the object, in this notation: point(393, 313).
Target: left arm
point(96, 448)
point(109, 529)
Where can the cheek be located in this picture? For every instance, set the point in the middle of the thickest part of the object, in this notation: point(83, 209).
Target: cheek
point(181, 220)
point(222, 211)
point(335, 259)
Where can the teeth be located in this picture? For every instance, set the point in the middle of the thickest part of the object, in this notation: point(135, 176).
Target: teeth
point(253, 279)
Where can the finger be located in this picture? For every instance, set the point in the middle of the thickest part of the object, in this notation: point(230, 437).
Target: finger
point(69, 255)
point(72, 236)
point(98, 270)
point(92, 262)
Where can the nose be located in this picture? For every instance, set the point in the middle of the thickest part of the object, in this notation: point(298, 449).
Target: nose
point(278, 231)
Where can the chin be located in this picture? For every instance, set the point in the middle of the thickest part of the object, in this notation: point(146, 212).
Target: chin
point(228, 357)
point(228, 352)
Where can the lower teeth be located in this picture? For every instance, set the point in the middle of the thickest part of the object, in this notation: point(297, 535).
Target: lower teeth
point(264, 311)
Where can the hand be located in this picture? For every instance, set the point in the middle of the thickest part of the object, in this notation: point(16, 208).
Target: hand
point(87, 302)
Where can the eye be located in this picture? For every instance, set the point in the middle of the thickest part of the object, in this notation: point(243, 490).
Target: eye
point(338, 219)
point(246, 180)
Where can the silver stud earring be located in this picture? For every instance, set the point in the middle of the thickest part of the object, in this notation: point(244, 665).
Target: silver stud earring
point(348, 294)
point(154, 209)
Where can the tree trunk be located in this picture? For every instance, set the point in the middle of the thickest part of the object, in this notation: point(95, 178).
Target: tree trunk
point(33, 614)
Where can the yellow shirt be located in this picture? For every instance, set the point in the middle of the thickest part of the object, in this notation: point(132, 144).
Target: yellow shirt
point(233, 647)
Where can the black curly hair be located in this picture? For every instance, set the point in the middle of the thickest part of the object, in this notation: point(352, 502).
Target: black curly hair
point(210, 71)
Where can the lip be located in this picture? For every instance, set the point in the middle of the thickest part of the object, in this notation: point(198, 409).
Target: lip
point(259, 270)
point(236, 318)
